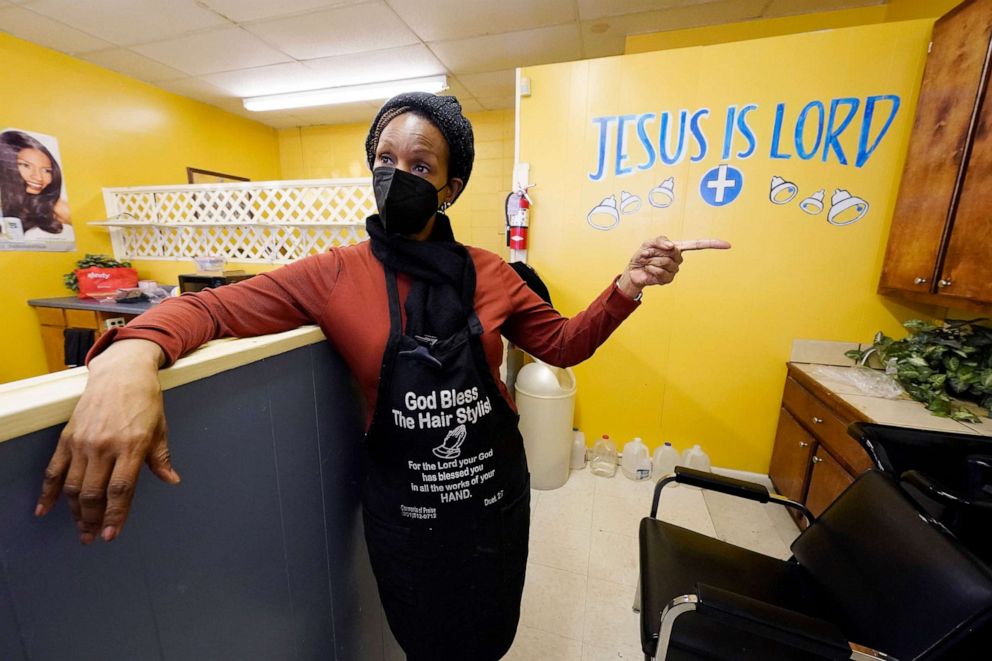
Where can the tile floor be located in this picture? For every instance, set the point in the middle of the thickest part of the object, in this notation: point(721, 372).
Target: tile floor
point(582, 570)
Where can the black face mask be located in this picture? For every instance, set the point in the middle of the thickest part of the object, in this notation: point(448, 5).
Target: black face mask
point(406, 202)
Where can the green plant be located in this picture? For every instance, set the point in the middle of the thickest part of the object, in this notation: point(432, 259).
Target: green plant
point(86, 262)
point(935, 363)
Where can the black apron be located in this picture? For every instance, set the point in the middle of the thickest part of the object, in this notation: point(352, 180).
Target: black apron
point(446, 497)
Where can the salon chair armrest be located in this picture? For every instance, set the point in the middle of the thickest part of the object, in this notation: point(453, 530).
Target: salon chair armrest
point(774, 622)
point(728, 485)
point(721, 483)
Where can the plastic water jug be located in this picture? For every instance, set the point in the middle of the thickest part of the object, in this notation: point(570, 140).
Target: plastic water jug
point(578, 450)
point(603, 460)
point(694, 457)
point(636, 462)
point(666, 458)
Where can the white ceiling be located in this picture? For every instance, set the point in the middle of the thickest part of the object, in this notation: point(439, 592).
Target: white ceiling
point(219, 51)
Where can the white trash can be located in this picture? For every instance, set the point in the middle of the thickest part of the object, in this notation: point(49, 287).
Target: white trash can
point(546, 402)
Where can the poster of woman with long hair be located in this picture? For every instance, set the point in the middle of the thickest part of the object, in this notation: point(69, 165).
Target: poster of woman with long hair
point(33, 201)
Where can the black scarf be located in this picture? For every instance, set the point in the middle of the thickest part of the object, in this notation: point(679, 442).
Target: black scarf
point(443, 274)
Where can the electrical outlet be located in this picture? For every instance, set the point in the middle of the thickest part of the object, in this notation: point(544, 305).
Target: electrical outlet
point(115, 322)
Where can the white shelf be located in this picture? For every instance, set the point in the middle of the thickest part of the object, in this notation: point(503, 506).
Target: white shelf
point(212, 224)
point(258, 222)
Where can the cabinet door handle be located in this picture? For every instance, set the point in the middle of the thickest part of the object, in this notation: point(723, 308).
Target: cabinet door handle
point(944, 282)
point(919, 281)
point(817, 460)
point(803, 444)
point(817, 420)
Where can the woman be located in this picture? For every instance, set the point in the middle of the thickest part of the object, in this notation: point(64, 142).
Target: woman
point(417, 317)
point(31, 184)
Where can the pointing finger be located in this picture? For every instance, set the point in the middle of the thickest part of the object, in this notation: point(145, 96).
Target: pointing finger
point(703, 244)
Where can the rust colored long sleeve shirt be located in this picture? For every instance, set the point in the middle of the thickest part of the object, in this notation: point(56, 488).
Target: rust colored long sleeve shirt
point(343, 291)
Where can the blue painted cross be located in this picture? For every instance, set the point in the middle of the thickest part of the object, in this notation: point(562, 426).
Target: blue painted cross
point(721, 185)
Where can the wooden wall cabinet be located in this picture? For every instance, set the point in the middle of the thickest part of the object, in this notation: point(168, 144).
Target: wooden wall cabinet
point(814, 459)
point(940, 245)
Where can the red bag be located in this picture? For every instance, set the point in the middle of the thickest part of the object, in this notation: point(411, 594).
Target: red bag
point(99, 282)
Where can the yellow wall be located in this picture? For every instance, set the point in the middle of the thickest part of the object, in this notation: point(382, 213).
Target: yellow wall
point(339, 151)
point(895, 10)
point(703, 360)
point(112, 131)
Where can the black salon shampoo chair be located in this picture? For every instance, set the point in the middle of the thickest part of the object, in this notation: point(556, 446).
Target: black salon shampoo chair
point(948, 474)
point(873, 569)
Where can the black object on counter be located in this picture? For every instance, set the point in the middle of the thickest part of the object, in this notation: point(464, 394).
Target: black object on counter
point(131, 296)
point(949, 474)
point(193, 282)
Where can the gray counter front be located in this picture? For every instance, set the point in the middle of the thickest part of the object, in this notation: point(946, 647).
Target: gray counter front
point(257, 554)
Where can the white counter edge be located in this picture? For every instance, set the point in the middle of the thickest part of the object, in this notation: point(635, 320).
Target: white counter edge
point(37, 403)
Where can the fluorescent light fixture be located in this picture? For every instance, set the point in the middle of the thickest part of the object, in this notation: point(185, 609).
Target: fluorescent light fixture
point(349, 94)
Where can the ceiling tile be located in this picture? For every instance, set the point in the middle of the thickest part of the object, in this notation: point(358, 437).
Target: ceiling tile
point(252, 10)
point(561, 43)
point(197, 89)
point(470, 105)
point(793, 7)
point(590, 9)
point(494, 83)
point(48, 32)
point(456, 19)
point(226, 49)
point(350, 113)
point(235, 107)
point(281, 120)
point(390, 64)
point(497, 102)
point(602, 35)
point(457, 90)
point(340, 31)
point(273, 79)
point(604, 39)
point(126, 22)
point(132, 64)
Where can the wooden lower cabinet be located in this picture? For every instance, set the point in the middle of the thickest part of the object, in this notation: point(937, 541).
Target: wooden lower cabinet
point(827, 480)
point(791, 457)
point(814, 459)
point(54, 321)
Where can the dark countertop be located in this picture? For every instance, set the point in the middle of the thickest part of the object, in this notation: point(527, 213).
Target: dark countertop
point(75, 303)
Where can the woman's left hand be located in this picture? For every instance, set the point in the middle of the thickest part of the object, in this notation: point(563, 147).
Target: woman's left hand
point(657, 261)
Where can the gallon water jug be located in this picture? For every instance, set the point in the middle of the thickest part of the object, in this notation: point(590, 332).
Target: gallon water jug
point(636, 462)
point(603, 460)
point(578, 450)
point(666, 458)
point(694, 457)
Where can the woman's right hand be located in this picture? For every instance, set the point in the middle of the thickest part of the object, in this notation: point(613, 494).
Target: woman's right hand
point(118, 424)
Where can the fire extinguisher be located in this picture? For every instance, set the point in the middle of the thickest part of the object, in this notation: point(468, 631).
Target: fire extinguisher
point(517, 222)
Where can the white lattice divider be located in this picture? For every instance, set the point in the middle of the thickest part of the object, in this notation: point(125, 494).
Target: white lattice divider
point(269, 221)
